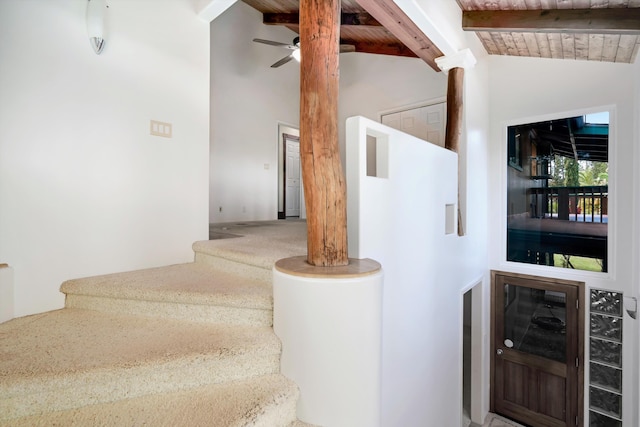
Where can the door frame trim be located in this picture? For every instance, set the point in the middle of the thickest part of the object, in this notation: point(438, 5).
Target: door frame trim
point(285, 137)
point(580, 393)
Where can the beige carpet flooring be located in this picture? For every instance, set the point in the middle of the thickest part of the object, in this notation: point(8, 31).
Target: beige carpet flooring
point(182, 345)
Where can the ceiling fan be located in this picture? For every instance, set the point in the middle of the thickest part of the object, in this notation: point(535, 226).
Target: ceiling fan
point(295, 49)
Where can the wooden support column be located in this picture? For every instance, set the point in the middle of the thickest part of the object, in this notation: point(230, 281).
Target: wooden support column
point(323, 178)
point(455, 88)
point(455, 85)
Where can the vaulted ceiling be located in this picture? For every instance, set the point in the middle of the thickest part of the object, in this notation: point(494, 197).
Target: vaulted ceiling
point(594, 30)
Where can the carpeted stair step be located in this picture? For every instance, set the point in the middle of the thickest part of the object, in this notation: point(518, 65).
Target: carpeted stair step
point(72, 357)
point(268, 401)
point(253, 254)
point(192, 291)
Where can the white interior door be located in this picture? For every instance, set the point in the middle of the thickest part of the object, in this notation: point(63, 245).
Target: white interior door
point(292, 173)
point(426, 122)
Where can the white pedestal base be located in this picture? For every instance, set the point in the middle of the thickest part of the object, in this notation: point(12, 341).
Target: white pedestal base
point(329, 320)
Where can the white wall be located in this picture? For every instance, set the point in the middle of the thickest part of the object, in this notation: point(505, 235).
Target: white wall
point(526, 90)
point(84, 188)
point(371, 84)
point(248, 100)
point(398, 219)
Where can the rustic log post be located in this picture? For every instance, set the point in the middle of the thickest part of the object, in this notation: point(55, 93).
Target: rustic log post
point(454, 108)
point(455, 86)
point(322, 175)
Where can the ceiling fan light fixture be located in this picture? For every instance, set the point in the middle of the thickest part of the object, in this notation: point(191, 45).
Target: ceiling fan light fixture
point(296, 55)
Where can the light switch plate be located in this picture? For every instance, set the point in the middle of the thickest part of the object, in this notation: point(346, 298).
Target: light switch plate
point(160, 129)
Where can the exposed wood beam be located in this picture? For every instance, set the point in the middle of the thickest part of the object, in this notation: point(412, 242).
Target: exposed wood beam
point(395, 49)
point(346, 19)
point(322, 176)
point(398, 23)
point(455, 111)
point(455, 88)
point(583, 21)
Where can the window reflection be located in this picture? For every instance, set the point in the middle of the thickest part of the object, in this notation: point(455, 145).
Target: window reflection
point(557, 194)
point(534, 320)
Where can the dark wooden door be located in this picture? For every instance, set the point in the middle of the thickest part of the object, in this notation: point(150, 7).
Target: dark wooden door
point(537, 342)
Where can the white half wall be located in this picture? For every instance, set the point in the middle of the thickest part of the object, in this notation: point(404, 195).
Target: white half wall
point(405, 218)
point(84, 188)
point(248, 101)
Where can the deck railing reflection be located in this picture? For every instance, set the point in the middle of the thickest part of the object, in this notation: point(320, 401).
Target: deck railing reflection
point(582, 204)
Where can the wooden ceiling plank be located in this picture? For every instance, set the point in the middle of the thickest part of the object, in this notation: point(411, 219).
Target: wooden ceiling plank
point(618, 3)
point(596, 44)
point(533, 4)
point(581, 42)
point(555, 45)
point(564, 4)
point(568, 46)
point(543, 45)
point(488, 43)
point(636, 49)
point(500, 44)
point(548, 4)
point(610, 48)
point(606, 21)
point(581, 4)
point(532, 44)
point(512, 49)
point(521, 44)
point(398, 23)
point(625, 48)
point(346, 19)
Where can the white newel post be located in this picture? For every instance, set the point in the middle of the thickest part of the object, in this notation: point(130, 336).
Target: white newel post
point(329, 320)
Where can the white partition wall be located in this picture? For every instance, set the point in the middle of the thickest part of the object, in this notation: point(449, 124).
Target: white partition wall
point(402, 210)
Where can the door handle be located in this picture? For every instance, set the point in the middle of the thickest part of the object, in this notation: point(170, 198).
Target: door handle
point(499, 352)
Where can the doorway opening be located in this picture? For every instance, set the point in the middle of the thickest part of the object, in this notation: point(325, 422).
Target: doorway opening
point(466, 358)
point(292, 177)
point(288, 134)
point(472, 360)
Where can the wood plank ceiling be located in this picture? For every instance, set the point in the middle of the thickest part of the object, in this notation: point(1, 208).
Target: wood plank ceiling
point(594, 30)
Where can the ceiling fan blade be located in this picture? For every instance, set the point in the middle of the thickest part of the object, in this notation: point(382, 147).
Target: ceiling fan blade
point(282, 61)
point(272, 43)
point(344, 48)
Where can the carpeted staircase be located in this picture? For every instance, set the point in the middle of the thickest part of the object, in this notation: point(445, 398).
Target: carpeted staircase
point(184, 345)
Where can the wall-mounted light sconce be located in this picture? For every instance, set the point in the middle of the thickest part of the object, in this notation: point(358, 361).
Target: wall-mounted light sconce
point(96, 14)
